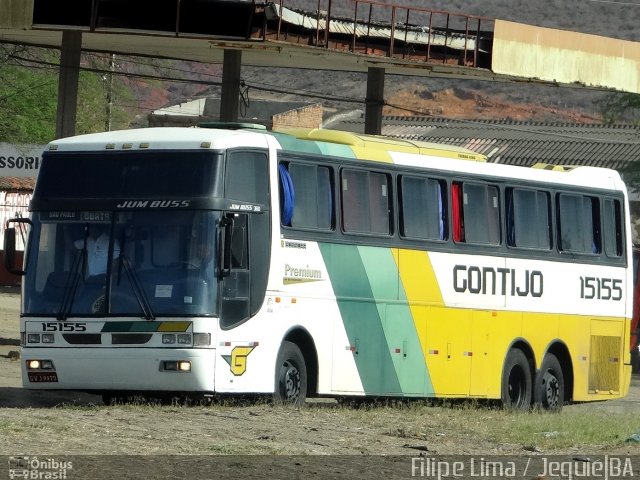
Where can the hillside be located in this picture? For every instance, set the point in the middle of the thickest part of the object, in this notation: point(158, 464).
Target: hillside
point(436, 96)
point(141, 85)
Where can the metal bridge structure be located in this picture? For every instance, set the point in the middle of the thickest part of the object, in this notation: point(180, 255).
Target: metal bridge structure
point(349, 35)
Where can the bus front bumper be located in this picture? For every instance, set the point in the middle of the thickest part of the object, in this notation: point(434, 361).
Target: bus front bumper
point(123, 369)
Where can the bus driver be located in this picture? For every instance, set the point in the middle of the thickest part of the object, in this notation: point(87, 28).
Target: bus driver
point(96, 244)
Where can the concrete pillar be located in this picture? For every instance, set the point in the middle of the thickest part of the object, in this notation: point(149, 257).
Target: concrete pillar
point(68, 83)
point(374, 101)
point(230, 95)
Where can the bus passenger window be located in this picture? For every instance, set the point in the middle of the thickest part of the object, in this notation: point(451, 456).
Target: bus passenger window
point(528, 219)
point(480, 213)
point(422, 212)
point(365, 202)
point(612, 216)
point(579, 218)
point(306, 196)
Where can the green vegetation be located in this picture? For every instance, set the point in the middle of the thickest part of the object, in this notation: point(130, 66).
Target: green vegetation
point(29, 92)
point(532, 431)
point(620, 108)
point(27, 105)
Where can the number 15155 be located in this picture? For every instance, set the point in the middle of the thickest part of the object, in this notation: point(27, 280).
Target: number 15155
point(600, 288)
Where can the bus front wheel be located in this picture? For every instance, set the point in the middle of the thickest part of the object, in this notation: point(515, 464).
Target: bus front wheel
point(548, 388)
point(291, 375)
point(516, 381)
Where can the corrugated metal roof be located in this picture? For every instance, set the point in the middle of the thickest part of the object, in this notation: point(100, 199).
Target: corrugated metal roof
point(520, 143)
point(17, 184)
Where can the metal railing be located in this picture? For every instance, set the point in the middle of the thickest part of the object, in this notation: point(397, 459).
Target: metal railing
point(374, 28)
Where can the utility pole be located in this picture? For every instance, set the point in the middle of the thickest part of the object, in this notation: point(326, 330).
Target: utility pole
point(68, 83)
point(230, 94)
point(109, 87)
point(375, 101)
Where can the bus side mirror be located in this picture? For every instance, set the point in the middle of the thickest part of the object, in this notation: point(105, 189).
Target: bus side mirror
point(10, 252)
point(10, 245)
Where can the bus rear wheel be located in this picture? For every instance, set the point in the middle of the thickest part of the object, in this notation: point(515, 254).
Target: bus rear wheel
point(291, 375)
point(516, 381)
point(548, 390)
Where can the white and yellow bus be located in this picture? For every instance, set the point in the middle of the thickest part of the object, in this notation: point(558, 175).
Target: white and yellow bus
point(318, 263)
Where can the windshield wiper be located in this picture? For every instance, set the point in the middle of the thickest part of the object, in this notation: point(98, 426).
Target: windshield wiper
point(71, 285)
point(136, 286)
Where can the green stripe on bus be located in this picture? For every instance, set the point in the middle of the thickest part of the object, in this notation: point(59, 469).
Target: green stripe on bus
point(292, 144)
point(145, 327)
point(362, 317)
point(335, 150)
point(400, 332)
point(117, 326)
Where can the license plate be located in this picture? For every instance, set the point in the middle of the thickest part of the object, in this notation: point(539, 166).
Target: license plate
point(42, 377)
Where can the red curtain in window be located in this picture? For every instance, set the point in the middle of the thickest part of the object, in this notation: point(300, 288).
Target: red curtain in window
point(456, 211)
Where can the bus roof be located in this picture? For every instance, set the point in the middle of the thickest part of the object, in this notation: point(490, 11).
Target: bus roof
point(370, 147)
point(161, 138)
point(334, 143)
point(327, 142)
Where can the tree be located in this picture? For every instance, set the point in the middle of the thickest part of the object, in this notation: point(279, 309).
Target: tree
point(27, 99)
point(620, 108)
point(29, 95)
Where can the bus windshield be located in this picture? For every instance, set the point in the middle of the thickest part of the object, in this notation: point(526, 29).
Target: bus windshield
point(141, 264)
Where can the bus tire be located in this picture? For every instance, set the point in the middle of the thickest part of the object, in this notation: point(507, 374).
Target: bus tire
point(516, 381)
point(291, 375)
point(548, 388)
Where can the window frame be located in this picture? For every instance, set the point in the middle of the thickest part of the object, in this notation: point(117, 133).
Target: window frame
point(457, 192)
point(511, 217)
point(443, 218)
point(287, 163)
point(596, 223)
point(390, 201)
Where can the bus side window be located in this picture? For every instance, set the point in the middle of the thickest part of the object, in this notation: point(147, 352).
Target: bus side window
point(422, 212)
point(613, 238)
point(306, 196)
point(579, 227)
point(476, 213)
point(365, 202)
point(236, 286)
point(528, 218)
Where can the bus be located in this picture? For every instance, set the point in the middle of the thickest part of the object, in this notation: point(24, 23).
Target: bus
point(310, 263)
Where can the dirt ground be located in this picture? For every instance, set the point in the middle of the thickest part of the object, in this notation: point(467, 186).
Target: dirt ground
point(47, 423)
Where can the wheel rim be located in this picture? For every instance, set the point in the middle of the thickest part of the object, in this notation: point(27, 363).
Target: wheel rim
point(551, 388)
point(517, 387)
point(289, 382)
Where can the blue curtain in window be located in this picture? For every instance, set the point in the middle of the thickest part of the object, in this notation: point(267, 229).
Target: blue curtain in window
point(288, 195)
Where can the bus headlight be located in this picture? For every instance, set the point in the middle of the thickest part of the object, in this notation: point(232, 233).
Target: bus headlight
point(184, 338)
point(168, 338)
point(48, 338)
point(33, 364)
point(33, 338)
point(39, 365)
point(46, 365)
point(175, 366)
